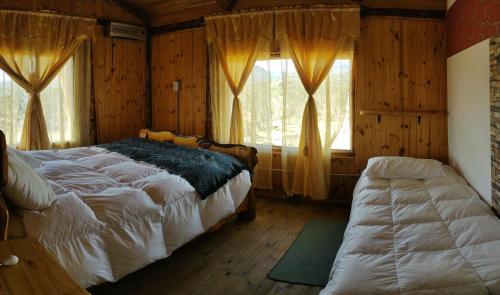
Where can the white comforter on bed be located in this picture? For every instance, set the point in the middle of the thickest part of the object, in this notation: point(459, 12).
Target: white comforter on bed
point(114, 215)
point(418, 237)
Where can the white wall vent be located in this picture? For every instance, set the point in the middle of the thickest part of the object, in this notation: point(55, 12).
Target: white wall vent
point(126, 31)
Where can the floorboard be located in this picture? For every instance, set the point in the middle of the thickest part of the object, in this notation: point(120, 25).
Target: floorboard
point(233, 260)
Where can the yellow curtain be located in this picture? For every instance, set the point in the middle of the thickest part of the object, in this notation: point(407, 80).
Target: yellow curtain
point(66, 101)
point(33, 48)
point(312, 39)
point(220, 99)
point(258, 113)
point(238, 40)
point(333, 102)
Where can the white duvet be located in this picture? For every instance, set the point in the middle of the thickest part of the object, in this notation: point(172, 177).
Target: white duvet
point(114, 215)
point(418, 237)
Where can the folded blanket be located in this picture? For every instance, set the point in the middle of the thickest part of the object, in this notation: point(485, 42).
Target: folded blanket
point(205, 170)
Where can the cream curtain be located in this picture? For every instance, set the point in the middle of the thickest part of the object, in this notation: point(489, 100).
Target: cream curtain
point(13, 102)
point(259, 114)
point(273, 101)
point(56, 99)
point(312, 39)
point(66, 102)
point(333, 101)
point(221, 99)
point(33, 49)
point(238, 40)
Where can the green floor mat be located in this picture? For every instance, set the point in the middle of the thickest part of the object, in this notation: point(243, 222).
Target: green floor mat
point(309, 259)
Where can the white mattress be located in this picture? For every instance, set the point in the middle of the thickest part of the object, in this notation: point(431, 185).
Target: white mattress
point(114, 215)
point(418, 237)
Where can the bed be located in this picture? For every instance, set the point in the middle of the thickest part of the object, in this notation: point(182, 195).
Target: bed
point(417, 236)
point(113, 214)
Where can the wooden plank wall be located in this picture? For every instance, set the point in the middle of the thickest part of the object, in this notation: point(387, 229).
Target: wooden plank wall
point(119, 87)
point(400, 65)
point(119, 66)
point(179, 56)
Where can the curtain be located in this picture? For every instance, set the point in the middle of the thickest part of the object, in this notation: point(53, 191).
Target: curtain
point(66, 102)
point(238, 40)
point(272, 103)
point(13, 102)
point(312, 39)
point(333, 99)
point(33, 49)
point(257, 99)
point(56, 99)
point(220, 101)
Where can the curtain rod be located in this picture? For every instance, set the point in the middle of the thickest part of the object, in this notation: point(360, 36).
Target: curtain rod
point(47, 13)
point(345, 7)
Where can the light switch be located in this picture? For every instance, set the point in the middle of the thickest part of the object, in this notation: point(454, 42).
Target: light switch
point(175, 86)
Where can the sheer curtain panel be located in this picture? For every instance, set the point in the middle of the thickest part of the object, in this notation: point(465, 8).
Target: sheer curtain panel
point(33, 49)
point(312, 38)
point(237, 40)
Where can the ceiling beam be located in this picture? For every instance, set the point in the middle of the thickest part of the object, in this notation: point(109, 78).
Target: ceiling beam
point(134, 10)
point(178, 26)
point(227, 4)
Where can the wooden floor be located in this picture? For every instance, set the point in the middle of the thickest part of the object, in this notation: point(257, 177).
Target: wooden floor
point(233, 260)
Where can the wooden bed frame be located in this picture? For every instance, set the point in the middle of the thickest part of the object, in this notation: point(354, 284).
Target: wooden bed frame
point(246, 154)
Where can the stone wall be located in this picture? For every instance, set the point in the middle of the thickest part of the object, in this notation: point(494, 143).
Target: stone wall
point(495, 119)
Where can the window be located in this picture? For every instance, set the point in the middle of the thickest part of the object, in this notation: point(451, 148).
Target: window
point(274, 98)
point(55, 98)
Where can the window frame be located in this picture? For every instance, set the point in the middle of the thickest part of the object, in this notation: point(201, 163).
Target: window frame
point(276, 54)
point(61, 140)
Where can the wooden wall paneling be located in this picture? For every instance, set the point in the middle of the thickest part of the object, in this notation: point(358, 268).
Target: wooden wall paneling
point(378, 64)
point(424, 83)
point(119, 82)
point(157, 87)
point(400, 66)
point(163, 58)
point(178, 43)
point(183, 66)
point(180, 56)
point(199, 81)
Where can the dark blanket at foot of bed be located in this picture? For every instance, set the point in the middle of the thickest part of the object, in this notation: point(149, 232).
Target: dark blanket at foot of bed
point(205, 170)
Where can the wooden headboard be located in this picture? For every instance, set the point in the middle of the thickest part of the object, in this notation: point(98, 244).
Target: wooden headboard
point(246, 154)
point(4, 175)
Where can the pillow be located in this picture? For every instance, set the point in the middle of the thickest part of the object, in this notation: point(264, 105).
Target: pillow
point(403, 167)
point(25, 188)
point(26, 158)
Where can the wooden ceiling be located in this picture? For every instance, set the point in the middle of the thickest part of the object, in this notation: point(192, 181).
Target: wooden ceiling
point(165, 12)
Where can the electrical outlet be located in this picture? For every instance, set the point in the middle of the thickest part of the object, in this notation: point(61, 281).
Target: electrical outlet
point(175, 86)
